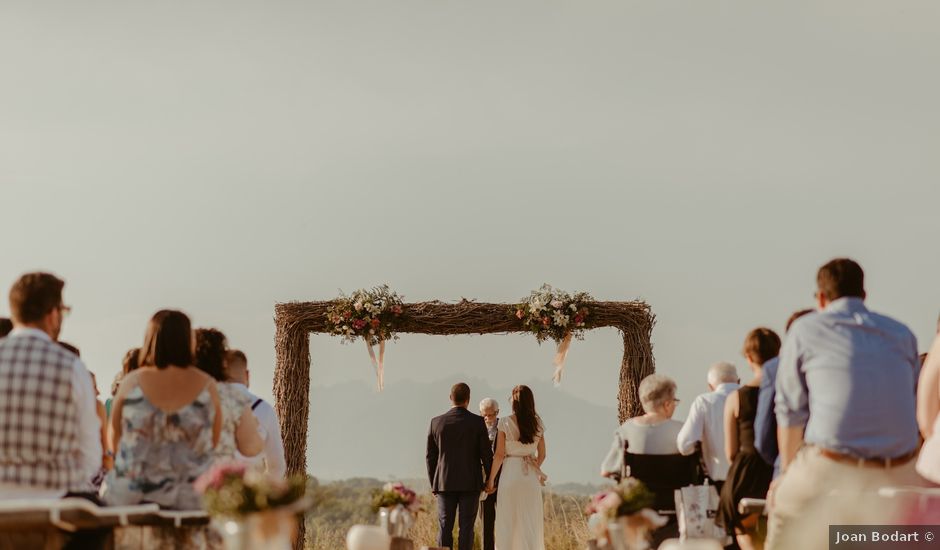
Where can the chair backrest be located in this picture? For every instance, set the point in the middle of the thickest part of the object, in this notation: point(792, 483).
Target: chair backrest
point(663, 474)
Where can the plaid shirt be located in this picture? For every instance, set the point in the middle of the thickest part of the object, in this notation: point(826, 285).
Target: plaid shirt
point(39, 429)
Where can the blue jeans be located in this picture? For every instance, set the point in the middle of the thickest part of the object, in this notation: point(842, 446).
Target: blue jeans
point(449, 504)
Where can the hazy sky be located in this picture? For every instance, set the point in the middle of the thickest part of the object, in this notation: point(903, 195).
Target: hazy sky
point(704, 156)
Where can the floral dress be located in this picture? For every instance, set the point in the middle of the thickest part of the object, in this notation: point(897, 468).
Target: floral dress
point(233, 402)
point(161, 453)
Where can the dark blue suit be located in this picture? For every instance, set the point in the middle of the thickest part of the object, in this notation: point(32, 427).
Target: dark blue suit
point(458, 457)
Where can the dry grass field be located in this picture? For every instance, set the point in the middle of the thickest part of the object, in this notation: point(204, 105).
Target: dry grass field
point(339, 507)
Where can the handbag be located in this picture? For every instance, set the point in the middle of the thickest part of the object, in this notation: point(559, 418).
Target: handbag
point(696, 509)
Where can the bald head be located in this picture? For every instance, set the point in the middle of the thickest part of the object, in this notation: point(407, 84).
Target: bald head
point(236, 366)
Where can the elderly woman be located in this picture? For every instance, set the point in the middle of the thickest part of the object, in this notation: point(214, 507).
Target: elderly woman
point(654, 433)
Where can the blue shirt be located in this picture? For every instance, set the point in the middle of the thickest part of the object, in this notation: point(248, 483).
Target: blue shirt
point(856, 371)
point(765, 423)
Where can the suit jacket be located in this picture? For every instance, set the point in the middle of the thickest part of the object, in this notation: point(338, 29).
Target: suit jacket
point(458, 452)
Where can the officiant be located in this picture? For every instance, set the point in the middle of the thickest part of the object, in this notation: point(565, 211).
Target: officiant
point(489, 410)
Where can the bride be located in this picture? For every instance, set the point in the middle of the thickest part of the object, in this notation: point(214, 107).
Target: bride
point(520, 451)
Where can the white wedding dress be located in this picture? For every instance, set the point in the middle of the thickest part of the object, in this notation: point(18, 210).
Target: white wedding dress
point(519, 517)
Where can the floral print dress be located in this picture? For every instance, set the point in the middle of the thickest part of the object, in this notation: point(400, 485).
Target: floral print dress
point(161, 453)
point(233, 402)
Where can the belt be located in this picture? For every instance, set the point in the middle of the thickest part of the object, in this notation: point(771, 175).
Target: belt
point(868, 462)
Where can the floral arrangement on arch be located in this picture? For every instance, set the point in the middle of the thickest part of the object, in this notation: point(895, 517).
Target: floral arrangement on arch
point(231, 489)
point(395, 494)
point(371, 314)
point(552, 313)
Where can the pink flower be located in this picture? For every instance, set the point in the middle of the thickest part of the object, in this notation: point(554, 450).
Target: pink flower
point(396, 309)
point(358, 324)
point(578, 319)
point(546, 321)
point(216, 476)
point(610, 502)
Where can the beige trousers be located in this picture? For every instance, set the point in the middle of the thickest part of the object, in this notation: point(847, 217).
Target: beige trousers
point(817, 492)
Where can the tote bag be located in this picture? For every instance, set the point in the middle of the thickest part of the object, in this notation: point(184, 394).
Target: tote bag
point(696, 508)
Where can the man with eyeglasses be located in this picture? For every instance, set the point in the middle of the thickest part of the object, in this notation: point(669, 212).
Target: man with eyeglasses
point(50, 440)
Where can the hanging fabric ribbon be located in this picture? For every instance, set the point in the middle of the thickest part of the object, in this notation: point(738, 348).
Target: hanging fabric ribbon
point(560, 357)
point(378, 364)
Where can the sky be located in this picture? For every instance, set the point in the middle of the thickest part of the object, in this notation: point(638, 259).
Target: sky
point(706, 157)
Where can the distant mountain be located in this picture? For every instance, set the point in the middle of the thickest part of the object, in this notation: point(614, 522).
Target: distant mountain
point(357, 432)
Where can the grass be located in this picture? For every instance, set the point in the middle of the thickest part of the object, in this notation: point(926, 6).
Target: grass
point(341, 505)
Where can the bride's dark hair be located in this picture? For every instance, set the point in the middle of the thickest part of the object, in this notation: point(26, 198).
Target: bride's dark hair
point(523, 406)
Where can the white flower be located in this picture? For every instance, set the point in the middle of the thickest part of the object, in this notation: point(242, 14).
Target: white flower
point(557, 304)
point(560, 319)
point(573, 307)
point(358, 306)
point(535, 306)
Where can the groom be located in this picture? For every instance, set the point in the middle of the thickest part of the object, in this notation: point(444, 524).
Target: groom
point(458, 457)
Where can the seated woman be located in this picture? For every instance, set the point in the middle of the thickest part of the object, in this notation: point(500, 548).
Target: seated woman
point(240, 428)
point(645, 448)
point(165, 421)
point(654, 433)
point(749, 476)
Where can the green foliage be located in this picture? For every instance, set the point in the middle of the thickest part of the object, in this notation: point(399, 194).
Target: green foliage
point(230, 490)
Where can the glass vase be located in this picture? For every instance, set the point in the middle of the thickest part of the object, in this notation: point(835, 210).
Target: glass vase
point(396, 520)
point(271, 530)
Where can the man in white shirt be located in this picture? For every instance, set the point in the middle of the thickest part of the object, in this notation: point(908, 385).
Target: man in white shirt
point(705, 422)
point(50, 438)
point(236, 369)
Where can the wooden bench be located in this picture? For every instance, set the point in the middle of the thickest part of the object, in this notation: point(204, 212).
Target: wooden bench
point(50, 524)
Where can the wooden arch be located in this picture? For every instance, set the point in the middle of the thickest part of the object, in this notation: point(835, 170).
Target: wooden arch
point(297, 320)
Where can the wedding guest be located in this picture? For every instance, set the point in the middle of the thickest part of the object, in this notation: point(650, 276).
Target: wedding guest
point(706, 422)
point(489, 410)
point(236, 370)
point(107, 456)
point(240, 429)
point(749, 475)
point(844, 405)
point(50, 441)
point(130, 363)
point(653, 433)
point(6, 326)
point(648, 445)
point(165, 422)
point(765, 422)
point(923, 356)
point(928, 409)
point(131, 360)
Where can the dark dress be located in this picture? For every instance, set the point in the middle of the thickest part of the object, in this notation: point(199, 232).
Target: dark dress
point(749, 476)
